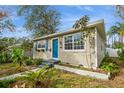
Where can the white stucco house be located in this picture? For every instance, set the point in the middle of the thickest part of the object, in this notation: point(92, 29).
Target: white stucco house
point(63, 46)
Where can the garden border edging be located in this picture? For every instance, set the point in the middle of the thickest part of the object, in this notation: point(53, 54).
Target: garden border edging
point(84, 72)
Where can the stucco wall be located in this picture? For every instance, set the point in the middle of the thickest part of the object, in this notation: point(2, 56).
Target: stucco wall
point(42, 54)
point(77, 57)
point(85, 57)
point(100, 48)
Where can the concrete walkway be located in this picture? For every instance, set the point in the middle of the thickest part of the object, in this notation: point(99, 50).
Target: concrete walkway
point(17, 75)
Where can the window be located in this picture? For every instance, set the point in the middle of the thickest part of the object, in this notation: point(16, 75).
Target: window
point(73, 42)
point(68, 43)
point(40, 45)
point(78, 43)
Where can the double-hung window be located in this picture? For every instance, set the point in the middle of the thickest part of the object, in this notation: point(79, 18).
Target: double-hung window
point(73, 42)
point(68, 43)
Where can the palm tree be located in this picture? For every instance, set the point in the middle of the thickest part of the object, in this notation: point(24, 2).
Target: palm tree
point(121, 29)
point(112, 33)
point(109, 35)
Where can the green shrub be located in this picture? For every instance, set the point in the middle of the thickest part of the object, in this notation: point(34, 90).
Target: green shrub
point(29, 61)
point(59, 62)
point(40, 78)
point(17, 55)
point(6, 83)
point(37, 61)
point(109, 65)
point(5, 57)
point(118, 45)
point(121, 57)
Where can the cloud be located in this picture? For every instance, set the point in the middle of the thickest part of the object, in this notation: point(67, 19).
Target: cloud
point(19, 33)
point(13, 16)
point(87, 8)
point(68, 21)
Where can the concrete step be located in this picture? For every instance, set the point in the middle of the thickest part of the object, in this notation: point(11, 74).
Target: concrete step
point(48, 64)
point(51, 61)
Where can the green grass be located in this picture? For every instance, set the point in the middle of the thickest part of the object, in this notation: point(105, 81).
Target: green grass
point(6, 66)
point(10, 68)
point(68, 80)
point(6, 83)
point(62, 79)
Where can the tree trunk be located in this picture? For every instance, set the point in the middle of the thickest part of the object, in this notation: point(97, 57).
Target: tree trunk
point(20, 64)
point(112, 42)
point(122, 39)
point(119, 38)
point(109, 44)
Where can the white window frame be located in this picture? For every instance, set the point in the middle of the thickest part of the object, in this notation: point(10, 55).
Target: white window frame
point(41, 45)
point(73, 50)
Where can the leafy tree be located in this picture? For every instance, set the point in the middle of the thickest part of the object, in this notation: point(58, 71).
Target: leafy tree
point(5, 42)
point(5, 22)
point(27, 45)
point(41, 20)
point(120, 11)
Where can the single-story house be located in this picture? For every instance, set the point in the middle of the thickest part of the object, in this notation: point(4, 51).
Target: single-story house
point(63, 46)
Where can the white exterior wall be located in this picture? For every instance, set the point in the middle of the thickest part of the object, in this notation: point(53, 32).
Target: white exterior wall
point(100, 48)
point(88, 57)
point(73, 57)
point(42, 54)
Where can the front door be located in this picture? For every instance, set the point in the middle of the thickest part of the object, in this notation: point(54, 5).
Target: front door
point(55, 48)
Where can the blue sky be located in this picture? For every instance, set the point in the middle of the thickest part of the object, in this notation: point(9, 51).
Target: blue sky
point(69, 14)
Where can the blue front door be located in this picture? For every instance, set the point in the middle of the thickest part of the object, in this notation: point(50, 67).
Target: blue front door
point(55, 48)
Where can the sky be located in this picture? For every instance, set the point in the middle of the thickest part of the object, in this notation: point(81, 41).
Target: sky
point(68, 14)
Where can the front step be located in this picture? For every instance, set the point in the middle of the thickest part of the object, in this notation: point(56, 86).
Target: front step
point(49, 62)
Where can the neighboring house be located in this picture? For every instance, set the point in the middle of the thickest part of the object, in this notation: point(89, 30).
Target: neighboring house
point(63, 46)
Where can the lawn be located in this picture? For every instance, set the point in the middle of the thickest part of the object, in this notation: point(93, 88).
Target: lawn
point(69, 80)
point(6, 66)
point(10, 68)
point(62, 79)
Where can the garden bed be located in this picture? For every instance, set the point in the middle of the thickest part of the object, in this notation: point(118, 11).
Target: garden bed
point(87, 69)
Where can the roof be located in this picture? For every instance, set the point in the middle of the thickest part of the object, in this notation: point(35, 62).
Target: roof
point(99, 24)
